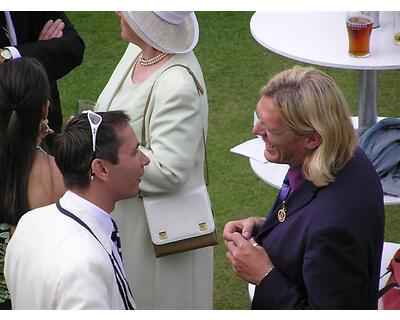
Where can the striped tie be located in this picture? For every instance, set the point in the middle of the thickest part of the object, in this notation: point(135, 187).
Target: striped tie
point(115, 238)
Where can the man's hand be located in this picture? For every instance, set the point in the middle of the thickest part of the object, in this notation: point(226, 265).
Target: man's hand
point(249, 261)
point(52, 30)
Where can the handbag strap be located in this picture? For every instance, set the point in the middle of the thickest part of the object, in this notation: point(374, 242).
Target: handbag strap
point(200, 91)
point(206, 178)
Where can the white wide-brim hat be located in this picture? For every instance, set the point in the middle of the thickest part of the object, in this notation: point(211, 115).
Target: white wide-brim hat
point(166, 31)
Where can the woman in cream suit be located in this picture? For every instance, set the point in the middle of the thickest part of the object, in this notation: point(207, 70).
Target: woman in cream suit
point(175, 122)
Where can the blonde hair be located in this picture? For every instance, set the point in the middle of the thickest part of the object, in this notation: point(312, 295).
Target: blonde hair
point(309, 100)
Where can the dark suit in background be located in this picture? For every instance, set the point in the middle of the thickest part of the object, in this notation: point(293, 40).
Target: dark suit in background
point(323, 237)
point(59, 56)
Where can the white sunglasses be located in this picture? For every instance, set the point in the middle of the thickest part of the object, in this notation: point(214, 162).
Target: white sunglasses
point(94, 120)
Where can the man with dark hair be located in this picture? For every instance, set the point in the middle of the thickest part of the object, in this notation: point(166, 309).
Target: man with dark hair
point(67, 255)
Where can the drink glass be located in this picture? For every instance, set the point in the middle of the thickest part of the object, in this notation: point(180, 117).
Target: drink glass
point(84, 105)
point(359, 27)
point(375, 16)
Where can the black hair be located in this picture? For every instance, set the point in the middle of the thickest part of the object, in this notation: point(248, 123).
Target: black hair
point(24, 92)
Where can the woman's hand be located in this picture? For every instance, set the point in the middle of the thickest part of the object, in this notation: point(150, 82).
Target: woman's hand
point(246, 227)
point(249, 260)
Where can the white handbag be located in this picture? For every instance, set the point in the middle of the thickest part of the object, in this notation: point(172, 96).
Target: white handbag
point(181, 221)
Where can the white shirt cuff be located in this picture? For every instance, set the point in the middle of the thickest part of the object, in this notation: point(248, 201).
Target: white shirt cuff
point(14, 52)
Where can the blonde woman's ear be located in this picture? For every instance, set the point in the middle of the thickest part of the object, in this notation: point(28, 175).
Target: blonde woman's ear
point(313, 140)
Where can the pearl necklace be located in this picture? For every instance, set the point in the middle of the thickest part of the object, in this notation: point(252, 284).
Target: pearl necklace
point(146, 63)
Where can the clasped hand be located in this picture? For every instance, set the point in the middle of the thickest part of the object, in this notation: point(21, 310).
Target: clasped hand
point(52, 30)
point(249, 261)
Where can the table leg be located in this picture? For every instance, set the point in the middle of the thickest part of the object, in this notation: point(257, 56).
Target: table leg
point(367, 110)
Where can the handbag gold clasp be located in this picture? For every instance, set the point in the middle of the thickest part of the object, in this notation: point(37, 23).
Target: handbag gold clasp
point(203, 226)
point(163, 235)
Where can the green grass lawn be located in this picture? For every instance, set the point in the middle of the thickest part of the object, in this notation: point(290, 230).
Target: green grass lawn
point(235, 68)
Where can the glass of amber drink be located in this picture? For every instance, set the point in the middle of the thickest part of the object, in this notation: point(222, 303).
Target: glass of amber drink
point(359, 27)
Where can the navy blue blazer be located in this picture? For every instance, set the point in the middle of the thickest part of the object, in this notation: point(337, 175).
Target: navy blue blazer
point(327, 252)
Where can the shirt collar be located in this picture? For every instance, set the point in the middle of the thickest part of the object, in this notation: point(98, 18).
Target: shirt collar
point(89, 213)
point(295, 177)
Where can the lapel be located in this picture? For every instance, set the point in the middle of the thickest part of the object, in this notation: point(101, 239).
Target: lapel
point(297, 200)
point(3, 33)
point(25, 26)
point(118, 77)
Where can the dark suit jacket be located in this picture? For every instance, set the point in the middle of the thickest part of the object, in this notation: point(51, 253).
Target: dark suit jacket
point(327, 252)
point(59, 56)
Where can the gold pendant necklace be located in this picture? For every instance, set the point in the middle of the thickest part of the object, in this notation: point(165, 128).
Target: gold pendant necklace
point(282, 213)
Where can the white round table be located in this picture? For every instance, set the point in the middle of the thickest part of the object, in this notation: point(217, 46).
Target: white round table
point(321, 38)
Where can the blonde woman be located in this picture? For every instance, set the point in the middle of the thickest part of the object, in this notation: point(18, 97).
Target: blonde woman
point(320, 246)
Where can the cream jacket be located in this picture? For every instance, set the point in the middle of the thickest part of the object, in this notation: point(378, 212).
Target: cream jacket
point(175, 123)
point(52, 262)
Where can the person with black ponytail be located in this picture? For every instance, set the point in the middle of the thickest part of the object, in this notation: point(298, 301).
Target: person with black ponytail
point(29, 176)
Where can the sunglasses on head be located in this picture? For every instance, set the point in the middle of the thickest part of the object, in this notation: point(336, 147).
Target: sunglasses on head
point(94, 121)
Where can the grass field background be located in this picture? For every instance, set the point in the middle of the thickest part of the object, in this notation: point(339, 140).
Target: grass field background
point(235, 68)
